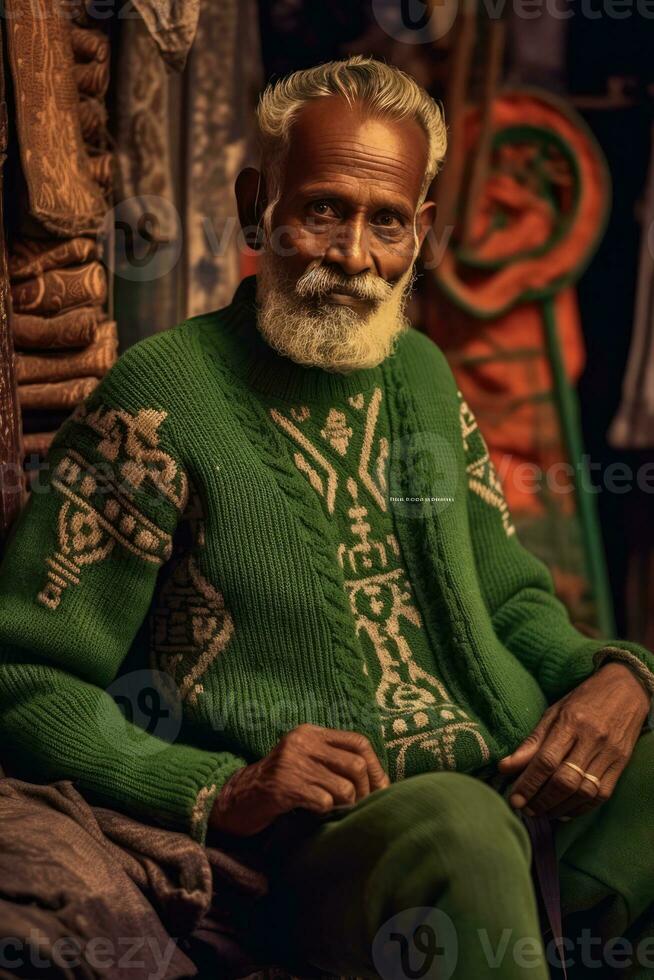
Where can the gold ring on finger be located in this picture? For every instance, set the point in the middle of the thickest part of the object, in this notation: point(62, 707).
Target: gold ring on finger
point(593, 779)
point(582, 772)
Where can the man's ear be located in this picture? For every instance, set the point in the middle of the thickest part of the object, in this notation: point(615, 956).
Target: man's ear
point(425, 220)
point(251, 202)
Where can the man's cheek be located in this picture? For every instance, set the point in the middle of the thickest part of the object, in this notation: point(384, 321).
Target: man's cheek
point(313, 242)
point(296, 242)
point(397, 258)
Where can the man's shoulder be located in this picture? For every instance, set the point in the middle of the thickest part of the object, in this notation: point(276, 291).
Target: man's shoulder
point(163, 363)
point(419, 353)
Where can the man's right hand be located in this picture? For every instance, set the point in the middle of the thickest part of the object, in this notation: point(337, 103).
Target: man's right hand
point(311, 767)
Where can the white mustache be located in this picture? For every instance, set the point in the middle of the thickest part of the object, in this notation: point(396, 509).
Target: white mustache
point(322, 280)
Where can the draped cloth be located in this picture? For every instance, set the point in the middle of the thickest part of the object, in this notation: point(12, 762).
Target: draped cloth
point(105, 876)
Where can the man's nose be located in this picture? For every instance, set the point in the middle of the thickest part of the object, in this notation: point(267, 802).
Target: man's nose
point(349, 248)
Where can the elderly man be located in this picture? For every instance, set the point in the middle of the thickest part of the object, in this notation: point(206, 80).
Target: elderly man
point(362, 652)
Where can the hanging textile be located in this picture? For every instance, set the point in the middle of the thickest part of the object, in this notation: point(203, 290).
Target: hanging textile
point(181, 140)
point(172, 24)
point(223, 84)
point(505, 313)
point(148, 151)
point(633, 426)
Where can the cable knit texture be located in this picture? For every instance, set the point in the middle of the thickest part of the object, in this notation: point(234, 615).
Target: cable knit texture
point(174, 498)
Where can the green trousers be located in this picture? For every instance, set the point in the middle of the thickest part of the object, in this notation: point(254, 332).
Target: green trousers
point(431, 878)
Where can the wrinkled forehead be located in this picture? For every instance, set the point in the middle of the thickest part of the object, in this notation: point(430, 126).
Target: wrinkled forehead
point(332, 141)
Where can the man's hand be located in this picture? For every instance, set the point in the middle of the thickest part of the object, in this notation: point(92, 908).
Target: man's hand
point(595, 728)
point(311, 767)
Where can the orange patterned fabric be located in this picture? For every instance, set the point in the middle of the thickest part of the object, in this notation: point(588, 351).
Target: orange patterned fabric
point(539, 217)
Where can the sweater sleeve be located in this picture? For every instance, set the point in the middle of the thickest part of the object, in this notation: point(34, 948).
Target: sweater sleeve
point(518, 590)
point(76, 581)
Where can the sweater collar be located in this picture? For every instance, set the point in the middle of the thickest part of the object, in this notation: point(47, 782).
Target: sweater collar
point(253, 359)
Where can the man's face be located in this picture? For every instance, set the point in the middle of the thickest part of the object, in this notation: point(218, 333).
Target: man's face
point(342, 241)
point(350, 192)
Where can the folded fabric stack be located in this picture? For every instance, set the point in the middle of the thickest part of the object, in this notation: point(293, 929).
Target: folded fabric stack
point(65, 341)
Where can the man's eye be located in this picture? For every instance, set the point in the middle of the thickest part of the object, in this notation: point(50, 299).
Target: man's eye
point(323, 208)
point(387, 219)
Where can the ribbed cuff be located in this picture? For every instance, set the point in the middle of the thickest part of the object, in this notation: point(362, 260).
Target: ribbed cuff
point(199, 821)
point(629, 659)
point(563, 670)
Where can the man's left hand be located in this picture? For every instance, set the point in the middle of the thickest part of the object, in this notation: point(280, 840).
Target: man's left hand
point(592, 730)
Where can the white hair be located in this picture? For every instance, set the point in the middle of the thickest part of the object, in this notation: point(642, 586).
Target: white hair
point(385, 91)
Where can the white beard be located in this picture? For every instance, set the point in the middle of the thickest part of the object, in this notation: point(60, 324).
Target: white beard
point(314, 333)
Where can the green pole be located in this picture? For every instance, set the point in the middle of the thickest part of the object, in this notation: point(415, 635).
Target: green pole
point(587, 509)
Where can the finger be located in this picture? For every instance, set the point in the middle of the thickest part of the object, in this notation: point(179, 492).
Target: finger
point(554, 749)
point(315, 798)
point(587, 792)
point(355, 742)
point(567, 784)
point(525, 752)
point(582, 801)
point(343, 763)
point(342, 790)
point(608, 779)
point(581, 791)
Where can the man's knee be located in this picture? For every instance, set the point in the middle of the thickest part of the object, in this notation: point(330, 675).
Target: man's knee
point(459, 812)
point(442, 832)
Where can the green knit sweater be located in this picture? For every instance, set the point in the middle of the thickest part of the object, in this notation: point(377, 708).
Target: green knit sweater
point(342, 448)
point(186, 494)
